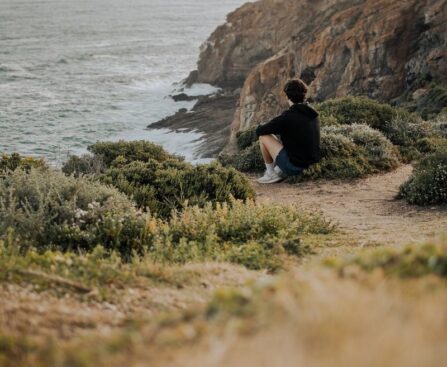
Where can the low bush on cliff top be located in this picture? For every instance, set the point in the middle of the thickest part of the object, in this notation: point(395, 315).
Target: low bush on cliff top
point(156, 180)
point(251, 234)
point(433, 102)
point(14, 161)
point(347, 152)
point(50, 211)
point(47, 209)
point(167, 186)
point(362, 110)
point(246, 138)
point(353, 151)
point(349, 148)
point(428, 183)
point(401, 127)
point(131, 151)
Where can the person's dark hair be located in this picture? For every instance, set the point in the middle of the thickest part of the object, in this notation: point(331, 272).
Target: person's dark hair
point(296, 90)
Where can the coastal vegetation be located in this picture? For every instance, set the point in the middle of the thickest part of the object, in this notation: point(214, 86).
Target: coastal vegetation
point(157, 181)
point(428, 184)
point(359, 136)
point(140, 201)
point(130, 227)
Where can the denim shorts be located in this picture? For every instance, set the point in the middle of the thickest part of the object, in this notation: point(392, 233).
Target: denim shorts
point(283, 162)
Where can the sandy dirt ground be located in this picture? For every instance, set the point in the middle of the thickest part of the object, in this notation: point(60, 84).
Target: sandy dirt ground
point(366, 209)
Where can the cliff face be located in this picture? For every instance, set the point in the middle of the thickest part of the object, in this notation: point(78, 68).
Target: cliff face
point(385, 49)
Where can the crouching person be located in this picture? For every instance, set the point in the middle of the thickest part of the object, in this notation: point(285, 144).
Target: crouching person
point(290, 142)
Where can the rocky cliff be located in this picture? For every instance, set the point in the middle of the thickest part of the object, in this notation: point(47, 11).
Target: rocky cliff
point(387, 49)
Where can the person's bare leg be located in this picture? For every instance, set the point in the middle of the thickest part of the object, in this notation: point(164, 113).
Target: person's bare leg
point(270, 148)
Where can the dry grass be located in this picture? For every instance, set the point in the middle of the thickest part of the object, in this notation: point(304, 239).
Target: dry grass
point(305, 318)
point(318, 320)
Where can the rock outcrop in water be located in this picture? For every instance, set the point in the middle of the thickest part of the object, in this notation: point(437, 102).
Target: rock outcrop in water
point(389, 50)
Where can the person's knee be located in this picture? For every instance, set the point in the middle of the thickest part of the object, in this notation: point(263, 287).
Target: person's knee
point(265, 138)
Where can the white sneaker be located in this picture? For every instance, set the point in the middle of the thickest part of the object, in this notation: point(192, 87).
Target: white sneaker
point(264, 178)
point(279, 172)
point(270, 178)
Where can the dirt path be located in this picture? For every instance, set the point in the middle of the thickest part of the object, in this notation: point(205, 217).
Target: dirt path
point(366, 209)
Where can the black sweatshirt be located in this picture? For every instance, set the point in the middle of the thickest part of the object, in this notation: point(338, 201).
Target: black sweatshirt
point(299, 130)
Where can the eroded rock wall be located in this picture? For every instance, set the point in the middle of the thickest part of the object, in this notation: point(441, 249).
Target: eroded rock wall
point(385, 49)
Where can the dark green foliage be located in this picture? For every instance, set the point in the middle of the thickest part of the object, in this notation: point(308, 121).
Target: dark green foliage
point(163, 187)
point(440, 126)
point(156, 180)
point(327, 119)
point(12, 162)
point(246, 138)
point(130, 151)
point(380, 154)
point(84, 165)
point(341, 158)
point(47, 209)
point(433, 102)
point(393, 122)
point(249, 159)
point(348, 151)
point(413, 261)
point(362, 110)
point(352, 151)
point(428, 184)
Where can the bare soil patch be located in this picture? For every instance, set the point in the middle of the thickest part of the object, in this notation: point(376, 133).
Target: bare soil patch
point(366, 209)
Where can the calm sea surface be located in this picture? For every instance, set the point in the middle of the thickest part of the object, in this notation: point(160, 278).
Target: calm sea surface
point(76, 71)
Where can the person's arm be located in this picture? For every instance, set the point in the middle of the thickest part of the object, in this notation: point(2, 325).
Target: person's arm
point(272, 127)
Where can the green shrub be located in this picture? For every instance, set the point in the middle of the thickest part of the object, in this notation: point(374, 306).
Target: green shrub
point(107, 154)
point(246, 138)
point(341, 158)
point(246, 233)
point(348, 151)
point(433, 102)
point(163, 187)
point(50, 210)
point(15, 160)
point(249, 159)
point(326, 119)
point(130, 151)
point(440, 126)
point(413, 261)
point(351, 110)
point(428, 183)
point(380, 154)
point(84, 165)
point(156, 180)
point(391, 121)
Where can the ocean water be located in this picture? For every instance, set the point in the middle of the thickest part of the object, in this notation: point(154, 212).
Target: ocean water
point(75, 72)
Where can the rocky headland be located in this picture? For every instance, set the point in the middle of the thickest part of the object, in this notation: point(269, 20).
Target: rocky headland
point(392, 51)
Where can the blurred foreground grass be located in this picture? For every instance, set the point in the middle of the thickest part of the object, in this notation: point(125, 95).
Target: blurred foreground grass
point(379, 307)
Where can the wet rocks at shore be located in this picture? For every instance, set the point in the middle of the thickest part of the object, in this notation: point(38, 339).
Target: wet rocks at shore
point(211, 115)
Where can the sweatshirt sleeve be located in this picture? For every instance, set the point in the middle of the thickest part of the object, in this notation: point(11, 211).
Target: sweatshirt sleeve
point(272, 127)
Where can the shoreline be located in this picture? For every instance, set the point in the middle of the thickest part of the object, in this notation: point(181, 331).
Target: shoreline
point(211, 116)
